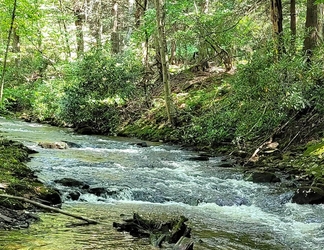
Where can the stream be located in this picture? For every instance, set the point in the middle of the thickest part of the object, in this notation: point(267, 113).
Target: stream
point(160, 182)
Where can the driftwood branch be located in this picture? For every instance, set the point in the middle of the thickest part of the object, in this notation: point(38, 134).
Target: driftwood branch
point(57, 210)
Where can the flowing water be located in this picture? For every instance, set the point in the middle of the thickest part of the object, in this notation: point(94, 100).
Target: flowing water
point(160, 182)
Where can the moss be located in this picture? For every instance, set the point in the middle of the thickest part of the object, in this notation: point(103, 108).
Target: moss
point(19, 179)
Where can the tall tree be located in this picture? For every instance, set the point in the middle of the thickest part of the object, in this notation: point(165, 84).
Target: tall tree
point(277, 18)
point(160, 21)
point(65, 31)
point(15, 44)
point(293, 24)
point(79, 17)
point(141, 8)
point(13, 16)
point(311, 26)
point(114, 33)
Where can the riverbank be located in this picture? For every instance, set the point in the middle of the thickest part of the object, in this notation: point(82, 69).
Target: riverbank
point(18, 180)
point(217, 117)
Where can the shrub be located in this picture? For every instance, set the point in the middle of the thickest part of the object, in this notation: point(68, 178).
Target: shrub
point(97, 86)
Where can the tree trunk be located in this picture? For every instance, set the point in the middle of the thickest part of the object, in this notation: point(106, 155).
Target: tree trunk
point(114, 34)
point(65, 33)
point(293, 25)
point(276, 19)
point(321, 21)
point(79, 16)
point(13, 16)
point(141, 7)
point(97, 23)
point(160, 19)
point(16, 45)
point(311, 26)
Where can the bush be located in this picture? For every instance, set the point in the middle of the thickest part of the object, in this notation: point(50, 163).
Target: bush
point(98, 85)
point(264, 94)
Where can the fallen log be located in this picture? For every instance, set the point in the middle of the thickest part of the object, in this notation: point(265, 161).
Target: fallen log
point(172, 231)
point(184, 244)
point(57, 210)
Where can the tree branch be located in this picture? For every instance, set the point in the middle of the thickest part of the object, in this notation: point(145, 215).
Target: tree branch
point(89, 221)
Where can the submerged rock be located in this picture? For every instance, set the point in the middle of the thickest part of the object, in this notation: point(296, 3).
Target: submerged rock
point(237, 201)
point(308, 195)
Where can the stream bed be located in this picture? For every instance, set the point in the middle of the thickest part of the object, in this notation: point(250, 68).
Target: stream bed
point(161, 182)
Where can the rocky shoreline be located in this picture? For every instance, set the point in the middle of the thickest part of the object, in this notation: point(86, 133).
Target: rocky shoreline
point(285, 170)
point(18, 180)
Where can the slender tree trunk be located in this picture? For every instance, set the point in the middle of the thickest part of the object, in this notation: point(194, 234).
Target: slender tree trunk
point(97, 25)
point(311, 26)
point(293, 25)
point(13, 16)
point(173, 52)
point(141, 7)
point(16, 45)
point(321, 21)
point(277, 18)
point(79, 16)
point(160, 19)
point(115, 34)
point(65, 33)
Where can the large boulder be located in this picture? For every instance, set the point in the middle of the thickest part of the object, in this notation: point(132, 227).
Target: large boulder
point(308, 195)
point(263, 177)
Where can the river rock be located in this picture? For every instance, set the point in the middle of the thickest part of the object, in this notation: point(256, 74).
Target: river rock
point(263, 177)
point(51, 198)
point(72, 144)
point(70, 182)
point(225, 164)
point(308, 195)
point(142, 144)
point(15, 219)
point(53, 145)
point(237, 201)
point(98, 191)
point(199, 158)
point(74, 195)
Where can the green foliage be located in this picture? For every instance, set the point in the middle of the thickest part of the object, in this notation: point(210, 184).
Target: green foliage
point(263, 95)
point(98, 86)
